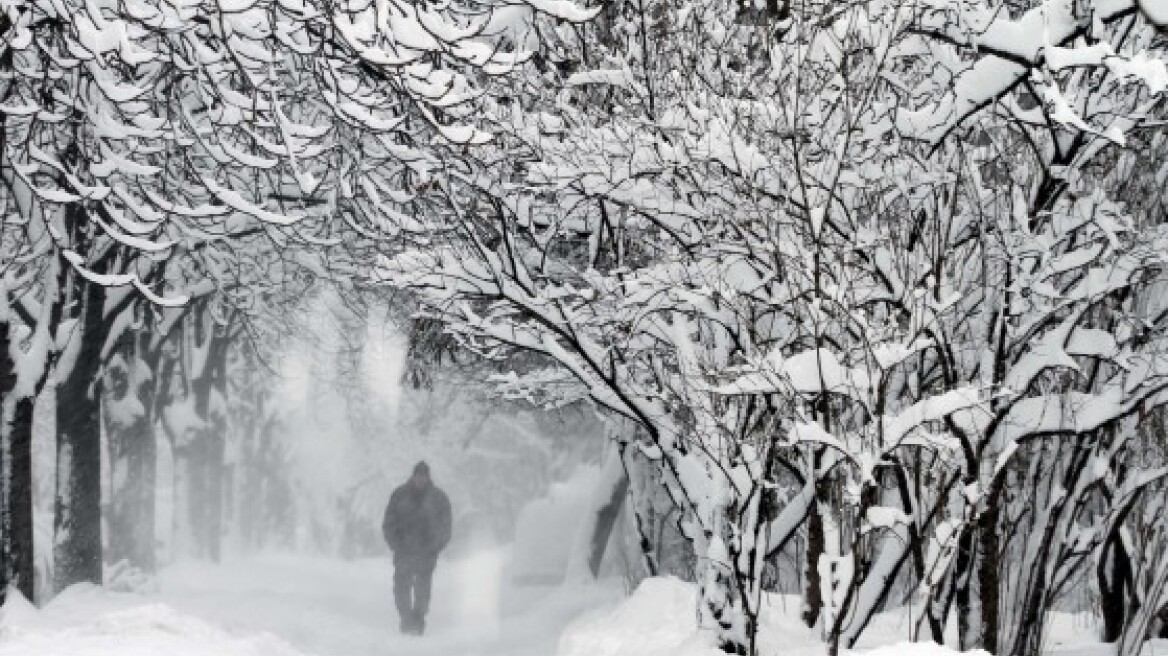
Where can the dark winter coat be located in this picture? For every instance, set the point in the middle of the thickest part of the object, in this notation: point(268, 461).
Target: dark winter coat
point(417, 522)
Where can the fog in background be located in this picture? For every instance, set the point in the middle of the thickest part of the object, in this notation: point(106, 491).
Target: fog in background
point(337, 432)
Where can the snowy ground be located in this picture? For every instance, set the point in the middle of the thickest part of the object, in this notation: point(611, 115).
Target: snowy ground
point(658, 620)
point(285, 606)
point(293, 606)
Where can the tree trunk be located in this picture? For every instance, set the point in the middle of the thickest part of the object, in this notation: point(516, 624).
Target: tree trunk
point(7, 403)
point(1114, 576)
point(206, 455)
point(132, 472)
point(16, 526)
point(20, 501)
point(251, 485)
point(605, 521)
point(163, 399)
point(217, 462)
point(816, 548)
point(205, 501)
point(128, 414)
point(969, 634)
point(988, 569)
point(77, 550)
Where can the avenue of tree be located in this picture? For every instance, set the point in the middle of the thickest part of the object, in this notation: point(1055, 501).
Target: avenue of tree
point(874, 291)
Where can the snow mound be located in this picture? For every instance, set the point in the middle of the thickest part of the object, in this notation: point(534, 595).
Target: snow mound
point(149, 630)
point(660, 619)
point(918, 649)
point(16, 610)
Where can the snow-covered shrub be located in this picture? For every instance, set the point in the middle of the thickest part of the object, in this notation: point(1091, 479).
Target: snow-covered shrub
point(849, 270)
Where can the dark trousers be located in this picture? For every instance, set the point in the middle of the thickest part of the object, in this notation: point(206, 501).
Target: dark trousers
point(411, 586)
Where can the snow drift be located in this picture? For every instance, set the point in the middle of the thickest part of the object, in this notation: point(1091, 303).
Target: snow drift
point(147, 630)
point(659, 619)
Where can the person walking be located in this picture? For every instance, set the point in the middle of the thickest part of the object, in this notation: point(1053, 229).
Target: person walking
point(416, 528)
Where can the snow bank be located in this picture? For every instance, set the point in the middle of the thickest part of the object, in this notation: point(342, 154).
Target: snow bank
point(16, 610)
point(918, 649)
point(660, 619)
point(147, 630)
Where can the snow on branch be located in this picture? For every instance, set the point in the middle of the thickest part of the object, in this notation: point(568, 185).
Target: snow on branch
point(121, 280)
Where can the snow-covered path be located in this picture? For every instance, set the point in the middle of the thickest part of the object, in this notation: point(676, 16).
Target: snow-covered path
point(293, 606)
point(318, 607)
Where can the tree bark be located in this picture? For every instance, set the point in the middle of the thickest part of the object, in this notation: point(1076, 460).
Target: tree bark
point(7, 387)
point(1114, 576)
point(988, 569)
point(816, 547)
point(969, 633)
point(77, 550)
point(16, 524)
point(23, 572)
